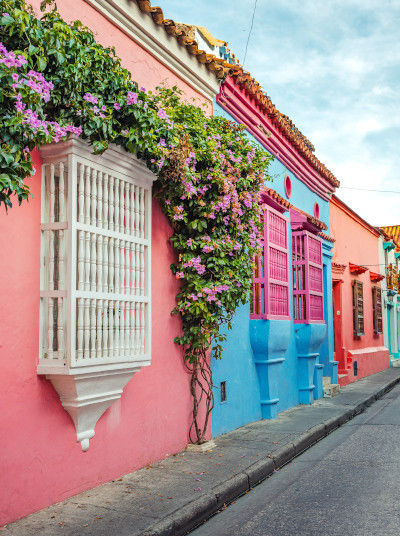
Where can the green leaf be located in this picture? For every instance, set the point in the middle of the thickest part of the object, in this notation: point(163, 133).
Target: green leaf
point(42, 62)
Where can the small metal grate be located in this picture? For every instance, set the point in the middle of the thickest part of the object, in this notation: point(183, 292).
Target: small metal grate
point(223, 391)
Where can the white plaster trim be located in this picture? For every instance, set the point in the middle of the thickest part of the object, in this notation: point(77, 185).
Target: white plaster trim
point(86, 396)
point(140, 27)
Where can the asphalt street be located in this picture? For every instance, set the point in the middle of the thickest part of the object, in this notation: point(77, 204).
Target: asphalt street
point(348, 484)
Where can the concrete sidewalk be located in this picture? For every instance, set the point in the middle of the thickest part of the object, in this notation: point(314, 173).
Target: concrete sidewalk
point(175, 495)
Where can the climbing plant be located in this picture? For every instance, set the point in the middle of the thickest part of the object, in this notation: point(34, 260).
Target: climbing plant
point(56, 80)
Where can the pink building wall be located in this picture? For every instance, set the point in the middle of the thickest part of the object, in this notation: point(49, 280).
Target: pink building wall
point(356, 243)
point(145, 68)
point(41, 462)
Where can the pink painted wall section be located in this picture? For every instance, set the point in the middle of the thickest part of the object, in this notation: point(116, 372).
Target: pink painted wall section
point(41, 462)
point(356, 243)
point(145, 69)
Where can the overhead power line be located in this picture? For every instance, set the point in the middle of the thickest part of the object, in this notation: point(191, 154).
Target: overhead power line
point(369, 190)
point(251, 29)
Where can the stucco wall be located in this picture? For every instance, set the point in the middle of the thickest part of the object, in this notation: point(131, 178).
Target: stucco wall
point(357, 243)
point(237, 367)
point(41, 461)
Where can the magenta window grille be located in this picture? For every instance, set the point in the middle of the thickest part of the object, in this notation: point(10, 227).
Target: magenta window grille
point(270, 291)
point(307, 272)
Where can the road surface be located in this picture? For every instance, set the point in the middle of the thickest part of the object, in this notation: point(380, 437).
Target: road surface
point(348, 484)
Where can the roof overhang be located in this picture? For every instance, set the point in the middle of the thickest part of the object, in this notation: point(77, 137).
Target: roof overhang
point(245, 110)
point(357, 269)
point(199, 70)
point(375, 278)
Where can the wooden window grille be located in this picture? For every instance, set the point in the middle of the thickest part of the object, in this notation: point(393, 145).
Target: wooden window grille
point(358, 308)
point(270, 290)
point(95, 260)
point(307, 277)
point(377, 310)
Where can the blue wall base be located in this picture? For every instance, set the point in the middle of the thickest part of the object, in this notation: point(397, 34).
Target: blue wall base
point(309, 338)
point(318, 381)
point(269, 373)
point(331, 370)
point(306, 369)
point(269, 340)
point(334, 371)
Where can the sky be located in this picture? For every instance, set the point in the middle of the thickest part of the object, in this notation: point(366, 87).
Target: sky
point(332, 66)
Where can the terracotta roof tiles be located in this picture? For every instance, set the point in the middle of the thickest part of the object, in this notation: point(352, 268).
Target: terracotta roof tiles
point(315, 221)
point(278, 198)
point(281, 121)
point(327, 237)
point(393, 231)
point(218, 66)
point(222, 69)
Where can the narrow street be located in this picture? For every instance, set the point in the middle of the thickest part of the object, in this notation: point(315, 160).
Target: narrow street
point(348, 484)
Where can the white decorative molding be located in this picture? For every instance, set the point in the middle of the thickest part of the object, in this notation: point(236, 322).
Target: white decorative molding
point(139, 26)
point(87, 395)
point(95, 317)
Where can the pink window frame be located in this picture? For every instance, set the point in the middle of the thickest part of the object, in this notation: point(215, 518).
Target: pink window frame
point(261, 284)
point(301, 264)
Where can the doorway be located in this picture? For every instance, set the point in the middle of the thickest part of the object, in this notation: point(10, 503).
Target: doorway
point(337, 323)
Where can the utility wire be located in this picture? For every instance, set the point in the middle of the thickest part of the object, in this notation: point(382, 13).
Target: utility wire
point(369, 189)
point(251, 29)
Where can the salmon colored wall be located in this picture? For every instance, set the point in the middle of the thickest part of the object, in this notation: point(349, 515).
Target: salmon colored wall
point(41, 462)
point(357, 243)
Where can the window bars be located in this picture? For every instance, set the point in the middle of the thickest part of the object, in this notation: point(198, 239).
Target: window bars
point(95, 263)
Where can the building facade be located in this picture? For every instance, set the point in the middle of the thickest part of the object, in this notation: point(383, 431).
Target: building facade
point(281, 343)
point(62, 280)
point(389, 255)
point(357, 296)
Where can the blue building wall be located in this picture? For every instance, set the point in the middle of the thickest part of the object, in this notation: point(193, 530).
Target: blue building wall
point(250, 363)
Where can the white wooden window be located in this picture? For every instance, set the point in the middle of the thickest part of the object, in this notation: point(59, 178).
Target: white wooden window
point(95, 263)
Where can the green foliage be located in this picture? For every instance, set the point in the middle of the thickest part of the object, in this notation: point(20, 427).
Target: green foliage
point(210, 193)
point(69, 58)
point(209, 174)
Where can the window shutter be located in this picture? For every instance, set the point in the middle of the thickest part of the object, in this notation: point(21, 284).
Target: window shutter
point(377, 309)
point(374, 309)
point(276, 260)
point(308, 292)
point(299, 276)
point(358, 308)
point(257, 288)
point(315, 278)
point(355, 314)
point(270, 289)
point(95, 316)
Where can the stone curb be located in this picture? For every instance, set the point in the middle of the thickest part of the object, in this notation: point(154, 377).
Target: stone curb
point(199, 510)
